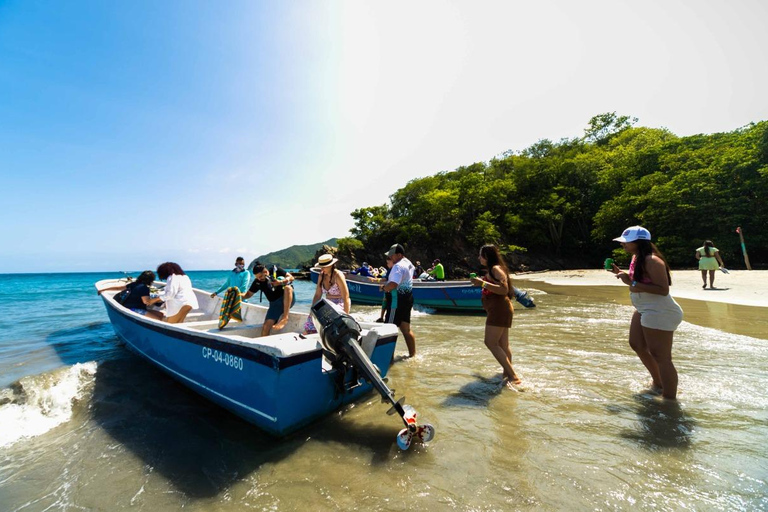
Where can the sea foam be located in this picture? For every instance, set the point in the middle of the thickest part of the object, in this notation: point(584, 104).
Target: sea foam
point(38, 403)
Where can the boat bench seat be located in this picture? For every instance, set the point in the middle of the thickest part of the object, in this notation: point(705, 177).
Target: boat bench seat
point(280, 345)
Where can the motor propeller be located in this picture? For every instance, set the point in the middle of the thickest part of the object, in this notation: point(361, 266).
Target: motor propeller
point(340, 335)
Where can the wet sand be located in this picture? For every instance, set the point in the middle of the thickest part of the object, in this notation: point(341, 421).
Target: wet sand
point(737, 304)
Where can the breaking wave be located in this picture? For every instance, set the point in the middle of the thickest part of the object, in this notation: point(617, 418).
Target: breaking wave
point(36, 404)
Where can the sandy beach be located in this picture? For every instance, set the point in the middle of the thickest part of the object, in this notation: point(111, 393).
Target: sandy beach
point(742, 287)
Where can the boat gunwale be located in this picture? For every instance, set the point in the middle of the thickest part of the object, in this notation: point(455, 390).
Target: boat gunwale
point(222, 341)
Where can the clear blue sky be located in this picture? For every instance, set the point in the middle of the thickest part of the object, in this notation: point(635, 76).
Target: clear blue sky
point(138, 132)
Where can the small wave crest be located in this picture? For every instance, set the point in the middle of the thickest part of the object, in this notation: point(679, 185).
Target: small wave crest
point(36, 404)
point(419, 310)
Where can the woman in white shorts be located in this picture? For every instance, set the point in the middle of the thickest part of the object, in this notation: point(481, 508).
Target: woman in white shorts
point(657, 314)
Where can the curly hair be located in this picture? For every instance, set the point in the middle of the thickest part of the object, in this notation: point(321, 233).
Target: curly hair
point(168, 268)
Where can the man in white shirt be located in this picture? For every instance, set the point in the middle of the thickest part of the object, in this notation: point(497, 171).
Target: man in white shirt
point(400, 278)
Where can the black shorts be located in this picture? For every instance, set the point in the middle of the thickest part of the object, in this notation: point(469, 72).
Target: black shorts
point(402, 312)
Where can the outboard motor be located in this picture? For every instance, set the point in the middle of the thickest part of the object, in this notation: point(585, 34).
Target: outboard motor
point(340, 335)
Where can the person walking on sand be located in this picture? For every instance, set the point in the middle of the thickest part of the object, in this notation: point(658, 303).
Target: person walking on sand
point(709, 261)
point(400, 278)
point(496, 300)
point(657, 314)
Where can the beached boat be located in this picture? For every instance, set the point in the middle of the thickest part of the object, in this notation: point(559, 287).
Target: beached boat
point(279, 382)
point(441, 295)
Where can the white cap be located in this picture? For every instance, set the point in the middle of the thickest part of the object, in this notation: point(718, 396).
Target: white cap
point(634, 233)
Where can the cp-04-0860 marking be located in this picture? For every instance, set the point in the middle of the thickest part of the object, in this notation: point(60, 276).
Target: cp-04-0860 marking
point(223, 358)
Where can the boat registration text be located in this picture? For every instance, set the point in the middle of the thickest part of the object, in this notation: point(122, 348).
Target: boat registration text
point(223, 358)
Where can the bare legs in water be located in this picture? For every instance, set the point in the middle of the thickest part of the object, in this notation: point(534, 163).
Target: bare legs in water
point(497, 341)
point(654, 348)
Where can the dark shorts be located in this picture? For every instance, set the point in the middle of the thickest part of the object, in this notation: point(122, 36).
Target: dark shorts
point(139, 311)
point(275, 310)
point(402, 309)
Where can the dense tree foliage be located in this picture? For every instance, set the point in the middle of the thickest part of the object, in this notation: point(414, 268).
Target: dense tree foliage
point(568, 199)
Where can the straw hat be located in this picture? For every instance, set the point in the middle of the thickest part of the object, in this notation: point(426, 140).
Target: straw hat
point(326, 260)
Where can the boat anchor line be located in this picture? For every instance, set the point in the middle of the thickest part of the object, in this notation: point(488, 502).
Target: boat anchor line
point(445, 292)
point(202, 386)
point(340, 335)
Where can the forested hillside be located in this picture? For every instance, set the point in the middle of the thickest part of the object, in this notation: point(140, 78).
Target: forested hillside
point(566, 200)
point(294, 256)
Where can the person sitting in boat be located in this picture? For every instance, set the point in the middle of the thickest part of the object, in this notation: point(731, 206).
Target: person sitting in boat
point(138, 295)
point(239, 278)
point(332, 284)
point(418, 270)
point(365, 270)
point(178, 295)
point(437, 271)
point(279, 291)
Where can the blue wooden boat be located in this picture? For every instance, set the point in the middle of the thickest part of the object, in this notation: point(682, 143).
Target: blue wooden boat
point(440, 295)
point(278, 382)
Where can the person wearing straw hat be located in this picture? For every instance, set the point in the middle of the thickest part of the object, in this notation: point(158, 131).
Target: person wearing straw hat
point(400, 278)
point(657, 314)
point(332, 284)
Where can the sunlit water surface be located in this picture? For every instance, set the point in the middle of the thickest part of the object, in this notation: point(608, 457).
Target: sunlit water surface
point(87, 425)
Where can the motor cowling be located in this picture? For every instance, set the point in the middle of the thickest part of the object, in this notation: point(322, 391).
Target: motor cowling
point(334, 326)
point(340, 335)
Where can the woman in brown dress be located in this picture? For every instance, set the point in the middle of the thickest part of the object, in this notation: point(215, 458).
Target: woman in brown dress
point(497, 287)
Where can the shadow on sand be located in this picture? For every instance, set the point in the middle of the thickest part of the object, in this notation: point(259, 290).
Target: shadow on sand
point(661, 424)
point(477, 393)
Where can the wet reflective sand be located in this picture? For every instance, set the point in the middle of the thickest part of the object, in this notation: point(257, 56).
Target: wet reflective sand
point(579, 435)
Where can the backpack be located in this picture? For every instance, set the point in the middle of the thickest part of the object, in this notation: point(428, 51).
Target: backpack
point(120, 297)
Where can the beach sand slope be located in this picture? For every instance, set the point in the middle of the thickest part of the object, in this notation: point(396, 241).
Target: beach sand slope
point(742, 287)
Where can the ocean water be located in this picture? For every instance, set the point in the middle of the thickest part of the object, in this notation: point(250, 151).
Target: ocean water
point(87, 425)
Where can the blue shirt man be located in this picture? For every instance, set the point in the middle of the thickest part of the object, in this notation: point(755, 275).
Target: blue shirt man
point(239, 278)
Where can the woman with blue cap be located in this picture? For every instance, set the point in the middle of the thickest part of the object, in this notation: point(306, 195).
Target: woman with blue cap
point(657, 314)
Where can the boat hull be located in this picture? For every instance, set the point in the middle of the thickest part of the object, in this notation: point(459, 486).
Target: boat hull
point(440, 295)
point(277, 394)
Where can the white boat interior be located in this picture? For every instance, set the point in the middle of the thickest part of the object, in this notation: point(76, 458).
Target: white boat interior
point(286, 342)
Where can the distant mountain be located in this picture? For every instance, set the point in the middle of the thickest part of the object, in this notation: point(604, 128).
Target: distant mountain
point(294, 256)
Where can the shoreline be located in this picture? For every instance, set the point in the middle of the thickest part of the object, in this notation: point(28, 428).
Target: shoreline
point(740, 287)
point(738, 307)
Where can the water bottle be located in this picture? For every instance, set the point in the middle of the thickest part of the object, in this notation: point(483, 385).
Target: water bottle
point(608, 263)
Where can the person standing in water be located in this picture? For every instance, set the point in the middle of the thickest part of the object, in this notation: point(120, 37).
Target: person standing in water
point(657, 314)
point(400, 278)
point(709, 261)
point(496, 293)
